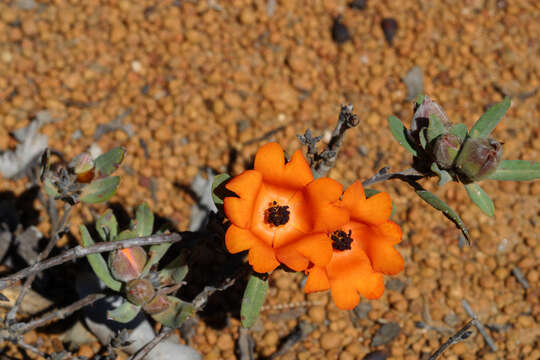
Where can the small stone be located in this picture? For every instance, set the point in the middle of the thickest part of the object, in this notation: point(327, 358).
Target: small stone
point(330, 340)
point(386, 334)
point(389, 26)
point(86, 350)
point(340, 32)
point(414, 81)
point(376, 355)
point(317, 314)
point(225, 342)
point(358, 4)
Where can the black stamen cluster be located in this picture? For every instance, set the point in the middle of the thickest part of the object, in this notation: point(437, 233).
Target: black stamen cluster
point(341, 240)
point(277, 215)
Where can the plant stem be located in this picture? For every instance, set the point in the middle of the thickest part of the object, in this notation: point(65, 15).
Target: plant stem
point(79, 252)
point(383, 175)
point(461, 335)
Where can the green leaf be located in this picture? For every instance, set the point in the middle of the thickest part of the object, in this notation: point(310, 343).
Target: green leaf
point(435, 127)
point(399, 133)
point(218, 188)
point(444, 176)
point(98, 264)
point(100, 190)
point(126, 234)
point(420, 99)
point(144, 220)
point(176, 314)
point(489, 120)
point(252, 301)
point(124, 313)
point(107, 226)
point(423, 138)
point(107, 163)
point(516, 170)
point(447, 211)
point(155, 254)
point(175, 271)
point(49, 187)
point(480, 198)
point(460, 130)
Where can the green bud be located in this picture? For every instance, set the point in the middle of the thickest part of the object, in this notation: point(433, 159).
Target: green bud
point(478, 158)
point(127, 264)
point(445, 149)
point(158, 304)
point(140, 291)
point(83, 166)
point(423, 112)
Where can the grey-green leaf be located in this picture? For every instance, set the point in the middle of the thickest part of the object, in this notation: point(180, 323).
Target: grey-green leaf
point(107, 226)
point(107, 163)
point(435, 127)
point(516, 170)
point(460, 130)
point(480, 198)
point(399, 133)
point(155, 254)
point(489, 120)
point(100, 190)
point(175, 271)
point(98, 263)
point(444, 176)
point(423, 138)
point(176, 314)
point(126, 234)
point(218, 188)
point(447, 211)
point(124, 313)
point(144, 220)
point(253, 300)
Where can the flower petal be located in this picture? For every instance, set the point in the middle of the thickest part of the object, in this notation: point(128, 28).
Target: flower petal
point(374, 210)
point(315, 248)
point(317, 280)
point(324, 194)
point(385, 259)
point(390, 231)
point(370, 286)
point(238, 239)
point(297, 172)
point(270, 162)
point(262, 258)
point(344, 295)
point(246, 185)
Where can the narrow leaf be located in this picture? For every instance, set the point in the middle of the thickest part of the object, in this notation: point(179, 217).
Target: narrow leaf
point(107, 163)
point(423, 138)
point(447, 211)
point(175, 271)
point(155, 254)
point(176, 314)
point(144, 220)
point(100, 190)
point(218, 188)
point(252, 301)
point(435, 127)
point(444, 176)
point(489, 120)
point(480, 198)
point(124, 313)
point(107, 226)
point(460, 130)
point(98, 263)
point(516, 170)
point(126, 234)
point(399, 133)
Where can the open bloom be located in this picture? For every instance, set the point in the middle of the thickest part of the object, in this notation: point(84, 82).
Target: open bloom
point(363, 250)
point(273, 211)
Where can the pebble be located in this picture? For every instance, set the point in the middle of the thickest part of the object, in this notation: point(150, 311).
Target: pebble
point(330, 340)
point(225, 342)
point(389, 27)
point(386, 333)
point(340, 32)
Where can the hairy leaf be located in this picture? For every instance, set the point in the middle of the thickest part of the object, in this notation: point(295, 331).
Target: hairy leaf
point(516, 170)
point(489, 120)
point(124, 313)
point(399, 133)
point(100, 190)
point(252, 301)
point(107, 163)
point(480, 198)
point(107, 226)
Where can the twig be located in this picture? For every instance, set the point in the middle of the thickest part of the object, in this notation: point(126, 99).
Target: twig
point(520, 277)
point(323, 162)
point(461, 335)
point(57, 233)
point(31, 348)
point(58, 314)
point(383, 175)
point(79, 252)
point(489, 341)
point(245, 344)
point(163, 334)
point(298, 334)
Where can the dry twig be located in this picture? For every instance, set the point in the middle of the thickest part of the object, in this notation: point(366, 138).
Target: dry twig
point(461, 335)
point(481, 329)
point(163, 334)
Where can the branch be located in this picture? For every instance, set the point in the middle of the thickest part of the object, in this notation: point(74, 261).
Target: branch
point(54, 315)
point(57, 233)
point(461, 335)
point(79, 252)
point(163, 334)
point(383, 175)
point(481, 329)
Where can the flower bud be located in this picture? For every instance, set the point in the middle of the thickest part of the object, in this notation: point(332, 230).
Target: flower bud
point(423, 111)
point(140, 291)
point(83, 166)
point(445, 149)
point(158, 304)
point(127, 264)
point(478, 158)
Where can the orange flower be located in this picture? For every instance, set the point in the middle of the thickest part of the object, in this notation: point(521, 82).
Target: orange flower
point(363, 250)
point(273, 211)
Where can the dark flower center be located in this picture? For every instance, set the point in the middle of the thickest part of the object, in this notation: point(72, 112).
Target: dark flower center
point(277, 215)
point(341, 240)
